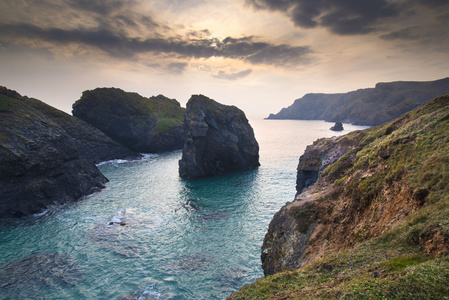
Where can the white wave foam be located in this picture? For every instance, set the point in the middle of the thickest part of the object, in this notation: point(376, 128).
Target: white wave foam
point(41, 213)
point(144, 157)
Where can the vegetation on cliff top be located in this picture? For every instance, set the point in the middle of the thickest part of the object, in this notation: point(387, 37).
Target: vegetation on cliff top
point(404, 259)
point(370, 106)
point(142, 124)
point(47, 157)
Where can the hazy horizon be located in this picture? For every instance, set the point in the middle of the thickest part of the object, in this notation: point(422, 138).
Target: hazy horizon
point(259, 55)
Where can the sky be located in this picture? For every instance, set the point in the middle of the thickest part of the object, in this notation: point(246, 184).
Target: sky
point(259, 55)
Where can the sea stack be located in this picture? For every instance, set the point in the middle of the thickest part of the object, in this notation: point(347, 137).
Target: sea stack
point(337, 127)
point(218, 140)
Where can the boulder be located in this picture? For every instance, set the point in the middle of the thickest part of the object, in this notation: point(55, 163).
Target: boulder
point(145, 125)
point(219, 140)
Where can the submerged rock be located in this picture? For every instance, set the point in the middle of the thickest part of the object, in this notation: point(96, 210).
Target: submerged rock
point(142, 124)
point(219, 140)
point(47, 157)
point(26, 277)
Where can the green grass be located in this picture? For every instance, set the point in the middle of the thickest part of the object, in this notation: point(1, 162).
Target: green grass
point(409, 261)
point(6, 103)
point(165, 124)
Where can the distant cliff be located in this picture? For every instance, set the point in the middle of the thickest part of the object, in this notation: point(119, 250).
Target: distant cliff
point(370, 106)
point(142, 124)
point(47, 156)
point(370, 220)
point(219, 140)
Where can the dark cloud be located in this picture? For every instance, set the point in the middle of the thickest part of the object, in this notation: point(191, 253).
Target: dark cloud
point(177, 67)
point(342, 17)
point(430, 29)
point(232, 76)
point(119, 44)
point(102, 7)
point(409, 33)
point(281, 55)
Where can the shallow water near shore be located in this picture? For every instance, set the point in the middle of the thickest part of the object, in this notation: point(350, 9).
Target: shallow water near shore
point(151, 235)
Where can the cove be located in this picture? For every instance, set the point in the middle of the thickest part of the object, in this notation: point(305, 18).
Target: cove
point(152, 235)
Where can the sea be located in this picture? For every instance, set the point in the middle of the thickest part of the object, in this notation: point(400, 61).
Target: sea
point(151, 235)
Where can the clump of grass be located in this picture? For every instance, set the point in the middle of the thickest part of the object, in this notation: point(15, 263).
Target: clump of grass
point(6, 103)
point(165, 124)
point(395, 265)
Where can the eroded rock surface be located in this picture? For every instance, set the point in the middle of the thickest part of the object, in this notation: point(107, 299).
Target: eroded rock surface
point(46, 156)
point(145, 125)
point(361, 193)
point(219, 140)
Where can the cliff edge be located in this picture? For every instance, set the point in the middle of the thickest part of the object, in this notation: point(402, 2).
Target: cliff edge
point(370, 219)
point(47, 156)
point(370, 106)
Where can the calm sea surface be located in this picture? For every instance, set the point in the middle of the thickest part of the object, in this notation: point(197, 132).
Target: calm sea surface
point(179, 239)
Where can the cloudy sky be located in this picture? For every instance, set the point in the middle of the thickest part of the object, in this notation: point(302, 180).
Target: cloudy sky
point(259, 55)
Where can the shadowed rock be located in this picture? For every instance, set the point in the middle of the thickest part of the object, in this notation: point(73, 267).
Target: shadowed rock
point(142, 124)
point(219, 140)
point(337, 127)
point(47, 157)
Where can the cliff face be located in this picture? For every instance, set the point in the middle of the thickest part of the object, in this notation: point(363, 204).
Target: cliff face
point(371, 106)
point(219, 140)
point(375, 223)
point(46, 156)
point(142, 124)
point(372, 181)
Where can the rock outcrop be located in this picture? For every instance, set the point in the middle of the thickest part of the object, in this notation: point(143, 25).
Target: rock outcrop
point(338, 126)
point(47, 156)
point(371, 106)
point(368, 183)
point(317, 157)
point(145, 125)
point(219, 140)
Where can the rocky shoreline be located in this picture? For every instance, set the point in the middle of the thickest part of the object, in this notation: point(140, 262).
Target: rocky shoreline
point(48, 158)
point(371, 210)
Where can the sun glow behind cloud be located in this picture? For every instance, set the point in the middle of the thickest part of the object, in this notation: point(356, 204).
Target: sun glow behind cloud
point(245, 53)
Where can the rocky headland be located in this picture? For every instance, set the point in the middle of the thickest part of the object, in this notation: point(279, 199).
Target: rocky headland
point(370, 219)
point(219, 140)
point(370, 106)
point(47, 156)
point(145, 125)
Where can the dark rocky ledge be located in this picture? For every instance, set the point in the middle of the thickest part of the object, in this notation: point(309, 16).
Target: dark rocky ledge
point(47, 157)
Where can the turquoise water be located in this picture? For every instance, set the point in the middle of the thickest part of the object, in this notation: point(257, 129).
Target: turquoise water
point(151, 235)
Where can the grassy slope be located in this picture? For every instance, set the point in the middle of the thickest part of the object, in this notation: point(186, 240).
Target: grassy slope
point(409, 261)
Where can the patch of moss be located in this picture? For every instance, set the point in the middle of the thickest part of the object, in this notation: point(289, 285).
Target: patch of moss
point(6, 103)
point(165, 124)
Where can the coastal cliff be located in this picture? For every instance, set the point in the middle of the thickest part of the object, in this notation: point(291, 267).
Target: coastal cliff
point(47, 157)
point(145, 125)
point(370, 219)
point(370, 106)
point(219, 140)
